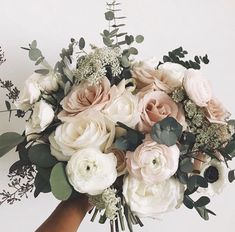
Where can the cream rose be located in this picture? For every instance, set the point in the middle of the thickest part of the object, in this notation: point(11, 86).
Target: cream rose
point(152, 200)
point(216, 112)
point(49, 82)
point(84, 97)
point(152, 162)
point(85, 130)
point(197, 87)
point(30, 93)
point(172, 74)
point(123, 108)
point(155, 106)
point(43, 115)
point(91, 171)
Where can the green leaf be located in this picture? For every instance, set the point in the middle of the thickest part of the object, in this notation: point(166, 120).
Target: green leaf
point(203, 212)
point(82, 43)
point(133, 51)
point(42, 71)
point(188, 202)
point(202, 201)
point(229, 148)
point(34, 54)
point(231, 176)
point(109, 15)
point(33, 44)
point(139, 39)
point(125, 62)
point(196, 181)
point(167, 131)
point(41, 185)
point(121, 143)
point(8, 105)
point(60, 186)
point(8, 141)
point(129, 39)
point(205, 59)
point(196, 58)
point(186, 165)
point(40, 155)
point(39, 61)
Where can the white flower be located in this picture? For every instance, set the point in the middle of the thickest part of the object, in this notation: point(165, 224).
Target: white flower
point(197, 87)
point(152, 200)
point(30, 93)
point(172, 74)
point(123, 108)
point(216, 175)
point(48, 83)
point(88, 129)
point(42, 116)
point(91, 171)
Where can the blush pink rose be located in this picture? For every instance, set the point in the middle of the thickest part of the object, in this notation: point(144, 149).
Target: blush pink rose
point(152, 162)
point(197, 87)
point(216, 112)
point(155, 106)
point(84, 97)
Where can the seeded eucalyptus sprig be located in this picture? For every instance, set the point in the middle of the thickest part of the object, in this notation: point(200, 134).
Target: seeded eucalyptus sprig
point(177, 55)
point(2, 56)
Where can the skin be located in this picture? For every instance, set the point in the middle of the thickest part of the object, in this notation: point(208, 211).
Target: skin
point(67, 216)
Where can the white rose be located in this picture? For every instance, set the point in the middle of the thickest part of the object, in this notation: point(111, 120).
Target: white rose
point(49, 82)
point(152, 200)
point(172, 74)
point(42, 116)
point(216, 174)
point(123, 108)
point(91, 171)
point(30, 93)
point(90, 129)
point(197, 87)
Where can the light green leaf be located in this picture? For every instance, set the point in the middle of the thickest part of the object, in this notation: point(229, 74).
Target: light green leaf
point(8, 141)
point(33, 44)
point(40, 155)
point(133, 51)
point(109, 15)
point(60, 186)
point(34, 54)
point(42, 71)
point(139, 39)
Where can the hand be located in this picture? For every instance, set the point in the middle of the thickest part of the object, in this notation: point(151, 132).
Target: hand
point(67, 216)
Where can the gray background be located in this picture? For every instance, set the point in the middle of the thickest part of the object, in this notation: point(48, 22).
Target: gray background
point(198, 25)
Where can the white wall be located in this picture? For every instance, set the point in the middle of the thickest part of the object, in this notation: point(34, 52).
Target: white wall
point(201, 26)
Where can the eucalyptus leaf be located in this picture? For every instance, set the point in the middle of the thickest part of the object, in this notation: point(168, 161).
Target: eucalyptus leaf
point(34, 54)
point(42, 71)
point(202, 201)
point(125, 62)
point(41, 185)
point(231, 176)
point(196, 181)
point(203, 212)
point(139, 39)
point(121, 144)
point(186, 165)
point(109, 15)
point(40, 155)
point(33, 44)
point(82, 43)
point(8, 105)
point(60, 186)
point(188, 202)
point(133, 51)
point(8, 141)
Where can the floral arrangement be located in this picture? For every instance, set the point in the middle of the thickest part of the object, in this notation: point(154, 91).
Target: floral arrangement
point(139, 138)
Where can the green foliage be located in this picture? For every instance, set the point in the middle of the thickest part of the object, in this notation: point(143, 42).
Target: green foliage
point(8, 141)
point(40, 155)
point(42, 71)
point(41, 185)
point(186, 165)
point(131, 140)
point(196, 181)
point(231, 176)
point(168, 131)
point(60, 186)
point(82, 43)
point(177, 55)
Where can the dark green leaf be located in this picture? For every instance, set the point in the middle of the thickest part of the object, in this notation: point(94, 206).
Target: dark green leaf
point(129, 39)
point(188, 202)
point(203, 212)
point(42, 71)
point(60, 186)
point(139, 39)
point(41, 185)
point(202, 201)
point(121, 144)
point(8, 105)
point(196, 181)
point(82, 43)
point(8, 141)
point(40, 155)
point(205, 59)
point(186, 165)
point(231, 176)
point(109, 15)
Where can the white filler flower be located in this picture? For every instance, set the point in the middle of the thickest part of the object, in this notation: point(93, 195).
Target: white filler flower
point(91, 171)
point(152, 200)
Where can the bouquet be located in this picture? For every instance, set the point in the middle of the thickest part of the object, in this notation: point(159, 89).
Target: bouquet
point(139, 138)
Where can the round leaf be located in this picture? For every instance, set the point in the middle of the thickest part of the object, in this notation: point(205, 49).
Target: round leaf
point(60, 186)
point(82, 43)
point(139, 39)
point(34, 54)
point(40, 155)
point(109, 15)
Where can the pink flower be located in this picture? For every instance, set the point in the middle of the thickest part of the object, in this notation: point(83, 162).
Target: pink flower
point(197, 87)
point(152, 162)
point(84, 97)
point(216, 112)
point(155, 106)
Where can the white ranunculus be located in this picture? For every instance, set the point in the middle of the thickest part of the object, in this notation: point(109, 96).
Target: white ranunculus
point(123, 108)
point(172, 74)
point(49, 82)
point(197, 87)
point(43, 115)
point(91, 171)
point(216, 173)
point(152, 200)
point(30, 94)
point(90, 129)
